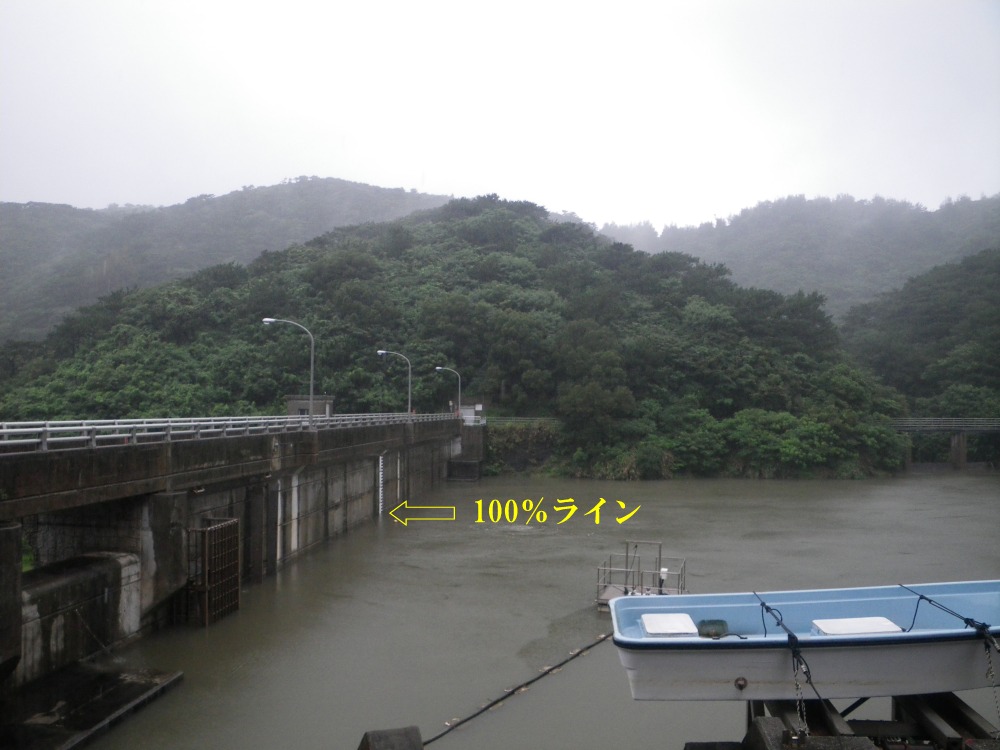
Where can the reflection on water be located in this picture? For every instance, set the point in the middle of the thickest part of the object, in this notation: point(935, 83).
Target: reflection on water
point(392, 626)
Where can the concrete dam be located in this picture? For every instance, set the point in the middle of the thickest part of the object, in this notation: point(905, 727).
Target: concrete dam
point(140, 524)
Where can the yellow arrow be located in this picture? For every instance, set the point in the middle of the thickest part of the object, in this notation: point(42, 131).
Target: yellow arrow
point(406, 506)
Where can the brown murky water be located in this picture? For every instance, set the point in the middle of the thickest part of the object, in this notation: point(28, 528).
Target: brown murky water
point(392, 626)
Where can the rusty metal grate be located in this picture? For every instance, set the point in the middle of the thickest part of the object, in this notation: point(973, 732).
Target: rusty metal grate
point(214, 568)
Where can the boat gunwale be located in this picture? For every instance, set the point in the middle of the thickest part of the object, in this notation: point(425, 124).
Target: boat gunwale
point(779, 641)
point(803, 639)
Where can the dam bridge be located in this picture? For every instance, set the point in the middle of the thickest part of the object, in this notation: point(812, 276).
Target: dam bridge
point(958, 427)
point(134, 524)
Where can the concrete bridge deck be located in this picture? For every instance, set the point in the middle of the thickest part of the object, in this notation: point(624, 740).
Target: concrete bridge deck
point(51, 466)
point(21, 437)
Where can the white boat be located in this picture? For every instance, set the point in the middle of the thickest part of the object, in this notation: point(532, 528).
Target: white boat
point(821, 643)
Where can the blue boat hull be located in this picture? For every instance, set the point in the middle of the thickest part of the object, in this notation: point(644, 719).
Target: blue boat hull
point(829, 643)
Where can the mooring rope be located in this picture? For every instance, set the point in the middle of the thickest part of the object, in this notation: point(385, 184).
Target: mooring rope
point(982, 628)
point(798, 660)
point(519, 688)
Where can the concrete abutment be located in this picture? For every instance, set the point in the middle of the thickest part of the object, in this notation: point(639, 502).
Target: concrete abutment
point(113, 543)
point(10, 598)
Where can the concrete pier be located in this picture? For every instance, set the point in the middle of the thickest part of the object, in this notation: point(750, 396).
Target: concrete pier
point(118, 531)
point(77, 704)
point(10, 598)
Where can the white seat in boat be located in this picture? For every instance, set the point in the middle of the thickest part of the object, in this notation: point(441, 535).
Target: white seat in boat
point(668, 623)
point(855, 626)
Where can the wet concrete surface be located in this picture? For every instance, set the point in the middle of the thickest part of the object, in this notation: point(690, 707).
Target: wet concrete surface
point(78, 703)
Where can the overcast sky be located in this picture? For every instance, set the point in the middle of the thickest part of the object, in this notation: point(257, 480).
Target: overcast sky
point(671, 111)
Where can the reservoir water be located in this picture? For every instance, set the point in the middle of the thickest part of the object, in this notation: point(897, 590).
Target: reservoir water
point(395, 625)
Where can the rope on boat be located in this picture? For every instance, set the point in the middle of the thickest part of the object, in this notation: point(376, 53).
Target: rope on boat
point(519, 688)
point(982, 628)
point(799, 662)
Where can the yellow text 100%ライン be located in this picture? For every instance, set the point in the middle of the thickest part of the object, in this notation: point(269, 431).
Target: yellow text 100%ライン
point(511, 510)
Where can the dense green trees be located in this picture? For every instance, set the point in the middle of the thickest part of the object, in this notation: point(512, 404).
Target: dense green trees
point(656, 365)
point(935, 340)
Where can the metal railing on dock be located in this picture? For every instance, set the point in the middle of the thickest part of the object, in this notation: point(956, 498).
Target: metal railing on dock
point(640, 570)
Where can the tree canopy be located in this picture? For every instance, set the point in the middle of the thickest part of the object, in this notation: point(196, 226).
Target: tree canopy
point(935, 340)
point(656, 364)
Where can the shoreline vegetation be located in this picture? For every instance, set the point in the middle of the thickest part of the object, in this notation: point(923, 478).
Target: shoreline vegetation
point(541, 449)
point(533, 450)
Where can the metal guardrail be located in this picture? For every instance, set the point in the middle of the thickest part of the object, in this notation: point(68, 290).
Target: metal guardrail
point(946, 424)
point(45, 436)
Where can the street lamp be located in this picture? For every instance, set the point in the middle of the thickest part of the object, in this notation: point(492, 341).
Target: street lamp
point(312, 357)
point(409, 379)
point(439, 369)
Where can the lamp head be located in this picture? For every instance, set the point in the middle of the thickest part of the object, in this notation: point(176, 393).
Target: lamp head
point(439, 369)
point(268, 321)
point(381, 352)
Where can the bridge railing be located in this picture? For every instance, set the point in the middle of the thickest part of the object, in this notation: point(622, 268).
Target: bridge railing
point(946, 424)
point(44, 436)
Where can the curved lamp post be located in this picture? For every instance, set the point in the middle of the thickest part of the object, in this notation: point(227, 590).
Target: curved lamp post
point(409, 379)
point(439, 369)
point(312, 356)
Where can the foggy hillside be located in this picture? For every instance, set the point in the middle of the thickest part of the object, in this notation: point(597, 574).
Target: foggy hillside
point(847, 250)
point(56, 258)
point(935, 338)
point(654, 365)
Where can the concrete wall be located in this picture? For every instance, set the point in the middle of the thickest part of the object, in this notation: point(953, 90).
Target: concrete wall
point(70, 533)
point(163, 550)
point(10, 598)
point(152, 528)
point(48, 481)
point(75, 608)
point(471, 442)
point(83, 598)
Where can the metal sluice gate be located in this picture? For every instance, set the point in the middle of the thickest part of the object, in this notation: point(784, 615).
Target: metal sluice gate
point(213, 589)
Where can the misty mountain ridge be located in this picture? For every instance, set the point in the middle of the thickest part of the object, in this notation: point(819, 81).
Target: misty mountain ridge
point(848, 250)
point(56, 258)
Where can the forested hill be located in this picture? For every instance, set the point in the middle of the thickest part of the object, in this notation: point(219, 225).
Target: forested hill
point(936, 338)
point(848, 250)
point(655, 364)
point(55, 258)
